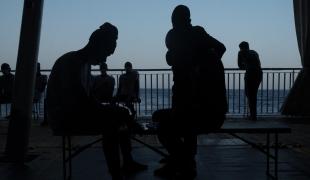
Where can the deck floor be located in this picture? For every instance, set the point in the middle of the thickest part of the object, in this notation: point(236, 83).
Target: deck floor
point(213, 162)
point(220, 157)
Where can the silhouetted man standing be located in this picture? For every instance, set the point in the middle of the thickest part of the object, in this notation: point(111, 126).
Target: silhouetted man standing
point(6, 84)
point(129, 86)
point(199, 94)
point(71, 105)
point(104, 85)
point(249, 60)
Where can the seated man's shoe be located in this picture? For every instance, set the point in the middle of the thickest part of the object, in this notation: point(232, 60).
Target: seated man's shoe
point(133, 167)
point(167, 171)
point(188, 174)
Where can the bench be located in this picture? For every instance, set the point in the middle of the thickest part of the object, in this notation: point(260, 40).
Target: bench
point(242, 127)
point(230, 127)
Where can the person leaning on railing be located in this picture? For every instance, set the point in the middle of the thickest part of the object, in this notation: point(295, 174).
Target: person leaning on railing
point(248, 60)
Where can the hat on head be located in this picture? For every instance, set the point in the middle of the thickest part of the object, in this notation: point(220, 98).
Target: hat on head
point(105, 31)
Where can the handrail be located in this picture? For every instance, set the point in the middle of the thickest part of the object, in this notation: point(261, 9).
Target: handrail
point(156, 86)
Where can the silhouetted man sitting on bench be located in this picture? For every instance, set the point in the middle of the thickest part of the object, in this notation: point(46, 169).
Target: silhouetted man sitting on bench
point(71, 106)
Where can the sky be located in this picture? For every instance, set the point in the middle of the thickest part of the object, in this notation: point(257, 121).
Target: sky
point(268, 26)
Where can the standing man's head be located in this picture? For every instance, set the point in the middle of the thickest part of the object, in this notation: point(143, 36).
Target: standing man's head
point(181, 17)
point(103, 68)
point(244, 46)
point(102, 43)
point(128, 67)
point(5, 68)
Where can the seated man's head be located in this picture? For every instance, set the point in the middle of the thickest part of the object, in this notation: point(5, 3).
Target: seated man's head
point(128, 67)
point(103, 68)
point(102, 43)
point(5, 68)
point(244, 46)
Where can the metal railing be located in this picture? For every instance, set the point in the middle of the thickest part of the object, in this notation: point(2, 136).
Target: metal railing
point(156, 84)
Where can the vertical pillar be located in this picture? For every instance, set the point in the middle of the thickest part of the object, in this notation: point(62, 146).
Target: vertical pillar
point(21, 110)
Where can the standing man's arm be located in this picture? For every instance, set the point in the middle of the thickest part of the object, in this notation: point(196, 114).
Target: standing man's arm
point(210, 42)
point(137, 86)
point(218, 47)
point(241, 61)
point(120, 84)
point(112, 86)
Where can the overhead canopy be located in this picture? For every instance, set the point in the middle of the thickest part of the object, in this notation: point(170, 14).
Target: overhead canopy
point(297, 102)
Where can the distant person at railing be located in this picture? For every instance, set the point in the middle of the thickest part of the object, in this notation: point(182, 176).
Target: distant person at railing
point(128, 88)
point(103, 85)
point(6, 84)
point(40, 84)
point(199, 94)
point(72, 106)
point(103, 88)
point(249, 60)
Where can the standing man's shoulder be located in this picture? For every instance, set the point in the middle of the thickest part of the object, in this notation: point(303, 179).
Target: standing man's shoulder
point(199, 29)
point(253, 52)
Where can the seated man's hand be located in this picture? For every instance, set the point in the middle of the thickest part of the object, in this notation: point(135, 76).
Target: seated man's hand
point(137, 128)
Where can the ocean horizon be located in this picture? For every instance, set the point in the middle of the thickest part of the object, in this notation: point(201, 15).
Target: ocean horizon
point(268, 102)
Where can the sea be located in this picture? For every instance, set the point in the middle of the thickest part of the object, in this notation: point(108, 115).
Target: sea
point(268, 102)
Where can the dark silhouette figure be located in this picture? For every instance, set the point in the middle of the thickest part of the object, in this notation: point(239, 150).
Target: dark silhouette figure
point(249, 61)
point(40, 84)
point(104, 85)
point(73, 108)
point(103, 90)
point(39, 88)
point(128, 89)
point(6, 84)
point(199, 93)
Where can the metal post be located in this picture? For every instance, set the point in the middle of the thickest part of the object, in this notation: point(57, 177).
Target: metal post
point(21, 110)
point(276, 155)
point(268, 153)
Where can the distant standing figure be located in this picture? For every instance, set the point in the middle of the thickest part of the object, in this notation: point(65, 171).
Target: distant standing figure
point(128, 89)
point(249, 60)
point(40, 84)
point(103, 91)
point(6, 84)
point(103, 85)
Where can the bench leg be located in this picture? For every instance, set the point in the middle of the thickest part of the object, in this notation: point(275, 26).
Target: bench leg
point(276, 156)
point(70, 158)
point(268, 153)
point(65, 158)
point(64, 165)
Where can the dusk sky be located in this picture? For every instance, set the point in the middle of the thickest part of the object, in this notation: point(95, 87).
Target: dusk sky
point(268, 25)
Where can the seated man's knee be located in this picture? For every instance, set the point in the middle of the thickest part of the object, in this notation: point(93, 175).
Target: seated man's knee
point(161, 115)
